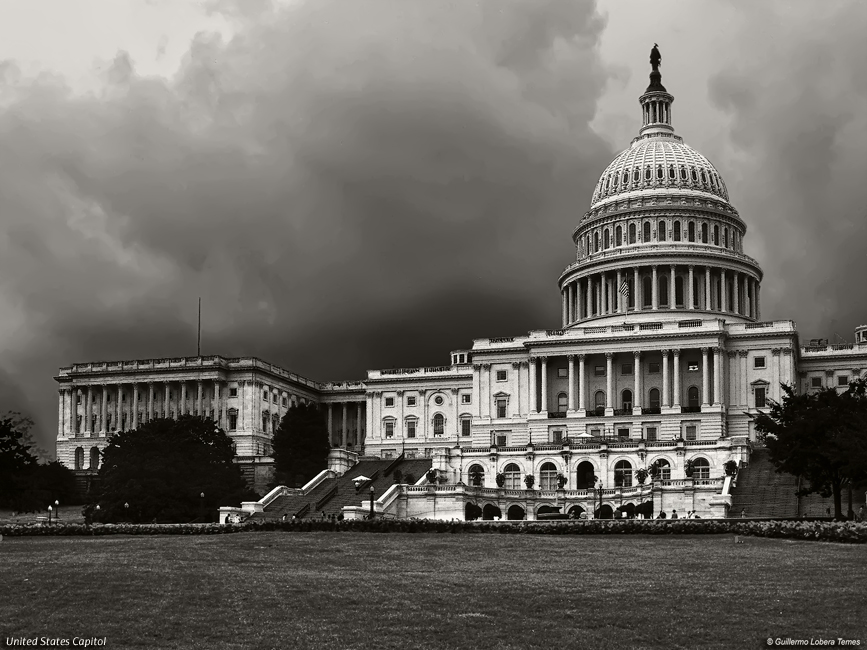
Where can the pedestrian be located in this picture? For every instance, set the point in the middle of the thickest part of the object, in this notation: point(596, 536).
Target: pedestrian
point(860, 515)
point(674, 514)
point(744, 513)
point(661, 514)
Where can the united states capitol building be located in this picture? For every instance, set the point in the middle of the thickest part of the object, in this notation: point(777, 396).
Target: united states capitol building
point(661, 359)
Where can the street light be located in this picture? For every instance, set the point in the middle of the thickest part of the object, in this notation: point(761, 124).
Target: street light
point(49, 514)
point(600, 499)
point(126, 510)
point(56, 509)
point(202, 506)
point(372, 490)
point(96, 516)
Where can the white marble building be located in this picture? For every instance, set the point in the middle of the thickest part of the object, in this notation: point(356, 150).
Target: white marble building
point(661, 355)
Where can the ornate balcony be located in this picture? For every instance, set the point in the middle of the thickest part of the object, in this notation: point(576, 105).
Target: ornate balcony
point(556, 414)
point(690, 409)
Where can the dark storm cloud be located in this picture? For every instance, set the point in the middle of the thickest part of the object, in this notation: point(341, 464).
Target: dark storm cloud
point(797, 98)
point(348, 185)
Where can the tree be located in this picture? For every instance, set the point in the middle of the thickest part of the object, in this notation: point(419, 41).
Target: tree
point(819, 437)
point(300, 445)
point(161, 470)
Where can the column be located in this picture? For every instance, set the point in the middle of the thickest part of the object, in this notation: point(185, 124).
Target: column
point(150, 401)
point(672, 297)
point(735, 298)
point(675, 371)
point(571, 391)
point(118, 409)
point(589, 299)
point(746, 296)
point(182, 407)
point(344, 438)
point(654, 289)
point(565, 309)
point(636, 285)
point(167, 399)
point(477, 389)
point(534, 404)
point(758, 301)
point(665, 400)
point(357, 440)
point(603, 294)
point(743, 371)
point(489, 388)
point(88, 417)
point(582, 384)
point(609, 377)
point(636, 373)
point(734, 379)
point(577, 288)
point(199, 397)
point(103, 424)
point(218, 407)
point(331, 423)
point(774, 388)
point(599, 295)
point(723, 297)
point(705, 377)
point(707, 301)
point(691, 300)
point(544, 384)
point(570, 297)
point(621, 308)
point(135, 405)
point(717, 376)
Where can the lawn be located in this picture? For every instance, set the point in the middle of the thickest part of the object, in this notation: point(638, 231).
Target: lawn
point(357, 590)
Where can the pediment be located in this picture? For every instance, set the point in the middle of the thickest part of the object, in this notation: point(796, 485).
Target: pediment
point(760, 382)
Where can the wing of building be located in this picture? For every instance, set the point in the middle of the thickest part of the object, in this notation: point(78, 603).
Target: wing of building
point(661, 357)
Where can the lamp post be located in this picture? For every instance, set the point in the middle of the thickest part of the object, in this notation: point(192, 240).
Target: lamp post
point(126, 511)
point(49, 514)
point(202, 506)
point(372, 491)
point(56, 509)
point(96, 516)
point(600, 499)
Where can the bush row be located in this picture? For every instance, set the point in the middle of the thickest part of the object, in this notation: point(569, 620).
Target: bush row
point(849, 532)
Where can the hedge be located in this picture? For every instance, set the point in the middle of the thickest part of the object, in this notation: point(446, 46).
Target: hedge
point(848, 532)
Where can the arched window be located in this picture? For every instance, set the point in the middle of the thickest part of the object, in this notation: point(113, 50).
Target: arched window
point(716, 235)
point(265, 419)
point(623, 474)
point(636, 175)
point(664, 469)
point(660, 231)
point(647, 173)
point(703, 177)
point(632, 233)
point(438, 424)
point(94, 458)
point(704, 233)
point(659, 173)
point(653, 398)
point(614, 181)
point(599, 402)
point(672, 175)
point(513, 477)
point(79, 458)
point(548, 477)
point(678, 290)
point(726, 237)
point(683, 175)
point(618, 236)
point(585, 476)
point(596, 242)
point(646, 234)
point(606, 239)
point(233, 419)
point(662, 281)
point(677, 231)
point(647, 291)
point(694, 175)
point(476, 475)
point(562, 402)
point(625, 178)
point(275, 422)
point(691, 231)
point(701, 468)
point(627, 400)
point(692, 397)
point(588, 249)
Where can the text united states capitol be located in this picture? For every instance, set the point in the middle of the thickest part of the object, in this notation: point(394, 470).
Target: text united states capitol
point(56, 642)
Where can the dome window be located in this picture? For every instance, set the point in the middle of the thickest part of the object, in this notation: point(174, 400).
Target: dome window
point(704, 233)
point(647, 173)
point(659, 173)
point(671, 174)
point(726, 237)
point(614, 181)
point(632, 233)
point(625, 178)
point(694, 175)
point(607, 183)
point(677, 231)
point(646, 234)
point(716, 235)
point(660, 231)
point(703, 177)
point(691, 230)
point(606, 239)
point(596, 242)
point(683, 176)
point(636, 175)
point(618, 236)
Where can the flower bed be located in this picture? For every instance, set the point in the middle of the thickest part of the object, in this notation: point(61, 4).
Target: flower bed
point(848, 532)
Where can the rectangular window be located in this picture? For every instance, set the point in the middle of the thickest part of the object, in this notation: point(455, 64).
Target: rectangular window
point(596, 433)
point(692, 366)
point(842, 380)
point(758, 362)
point(599, 371)
point(410, 428)
point(465, 427)
point(627, 369)
point(651, 434)
point(501, 440)
point(690, 431)
point(501, 408)
point(623, 432)
point(501, 375)
point(465, 399)
point(233, 392)
point(410, 400)
point(388, 454)
point(653, 368)
point(389, 401)
point(760, 398)
point(563, 372)
point(265, 395)
point(285, 401)
point(816, 382)
point(389, 429)
point(557, 435)
point(78, 400)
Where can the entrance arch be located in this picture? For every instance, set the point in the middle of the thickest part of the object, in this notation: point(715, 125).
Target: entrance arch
point(605, 512)
point(575, 512)
point(490, 511)
point(472, 512)
point(585, 475)
point(515, 513)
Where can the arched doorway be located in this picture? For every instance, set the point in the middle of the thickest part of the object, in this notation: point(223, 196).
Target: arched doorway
point(548, 477)
point(79, 458)
point(585, 476)
point(692, 397)
point(544, 509)
point(94, 458)
point(575, 512)
point(472, 512)
point(476, 475)
point(623, 474)
point(605, 512)
point(491, 512)
point(515, 513)
point(512, 477)
point(628, 510)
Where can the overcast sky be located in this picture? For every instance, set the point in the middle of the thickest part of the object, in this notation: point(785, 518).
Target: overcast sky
point(367, 184)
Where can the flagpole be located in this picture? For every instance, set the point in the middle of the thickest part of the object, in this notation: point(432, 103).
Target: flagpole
point(199, 338)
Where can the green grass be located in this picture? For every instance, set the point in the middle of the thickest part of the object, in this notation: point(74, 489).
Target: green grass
point(356, 590)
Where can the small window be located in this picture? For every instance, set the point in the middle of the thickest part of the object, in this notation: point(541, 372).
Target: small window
point(842, 380)
point(389, 428)
point(759, 362)
point(653, 367)
point(465, 399)
point(233, 419)
point(501, 375)
point(233, 392)
point(692, 366)
point(816, 382)
point(465, 427)
point(438, 400)
point(557, 435)
point(660, 231)
point(562, 402)
point(659, 173)
point(654, 398)
point(410, 400)
point(646, 231)
point(704, 233)
point(647, 173)
point(501, 440)
point(501, 408)
point(691, 230)
point(691, 432)
point(285, 401)
point(760, 398)
point(627, 369)
point(599, 371)
point(389, 401)
point(410, 428)
point(623, 432)
point(676, 231)
point(265, 395)
point(562, 372)
point(650, 434)
point(683, 173)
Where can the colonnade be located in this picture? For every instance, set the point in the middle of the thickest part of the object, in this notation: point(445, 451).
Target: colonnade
point(357, 433)
point(658, 286)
